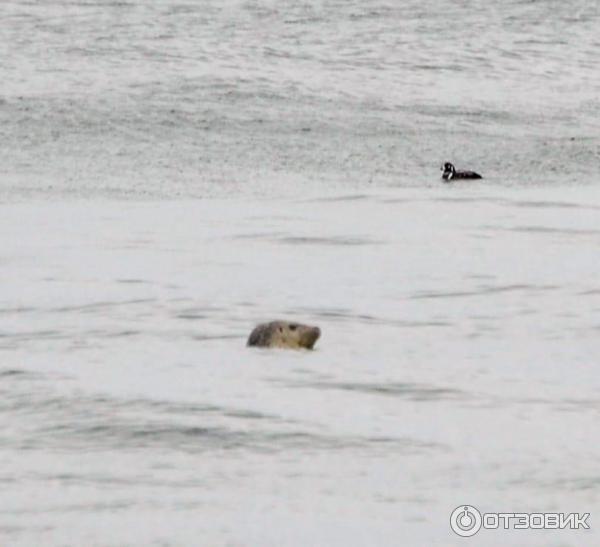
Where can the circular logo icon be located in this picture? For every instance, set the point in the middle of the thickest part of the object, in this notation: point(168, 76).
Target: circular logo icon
point(465, 521)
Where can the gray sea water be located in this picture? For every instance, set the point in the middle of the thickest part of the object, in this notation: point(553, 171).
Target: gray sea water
point(174, 172)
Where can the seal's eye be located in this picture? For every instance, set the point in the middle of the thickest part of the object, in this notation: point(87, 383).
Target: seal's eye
point(293, 327)
point(280, 329)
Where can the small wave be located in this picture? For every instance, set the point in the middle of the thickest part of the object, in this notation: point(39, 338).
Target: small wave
point(201, 438)
point(412, 391)
point(92, 306)
point(11, 372)
point(336, 199)
point(549, 205)
point(335, 241)
point(341, 314)
point(551, 230)
point(483, 291)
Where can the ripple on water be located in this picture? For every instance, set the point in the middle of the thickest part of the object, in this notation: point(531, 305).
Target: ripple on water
point(340, 241)
point(411, 391)
point(336, 199)
point(13, 372)
point(548, 230)
point(137, 435)
point(102, 423)
point(485, 290)
point(346, 315)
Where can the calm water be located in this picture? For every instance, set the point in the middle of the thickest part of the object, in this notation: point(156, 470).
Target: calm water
point(172, 173)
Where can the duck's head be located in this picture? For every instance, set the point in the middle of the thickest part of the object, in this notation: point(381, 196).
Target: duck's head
point(448, 171)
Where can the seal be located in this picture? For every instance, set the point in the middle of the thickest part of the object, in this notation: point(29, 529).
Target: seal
point(283, 334)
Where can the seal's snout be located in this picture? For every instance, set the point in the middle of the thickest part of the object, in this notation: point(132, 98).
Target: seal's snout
point(311, 336)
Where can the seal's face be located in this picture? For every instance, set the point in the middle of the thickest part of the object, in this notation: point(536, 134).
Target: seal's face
point(282, 334)
point(302, 336)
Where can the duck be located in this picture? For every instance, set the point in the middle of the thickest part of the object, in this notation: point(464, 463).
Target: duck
point(450, 173)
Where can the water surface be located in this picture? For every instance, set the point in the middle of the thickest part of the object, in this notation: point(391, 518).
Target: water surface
point(172, 173)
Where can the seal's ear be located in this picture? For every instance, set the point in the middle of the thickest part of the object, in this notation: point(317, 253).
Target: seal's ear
point(280, 329)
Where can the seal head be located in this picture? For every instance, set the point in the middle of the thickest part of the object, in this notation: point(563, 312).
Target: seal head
point(283, 334)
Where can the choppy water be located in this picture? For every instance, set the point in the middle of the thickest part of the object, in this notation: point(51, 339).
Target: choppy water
point(173, 173)
point(169, 98)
